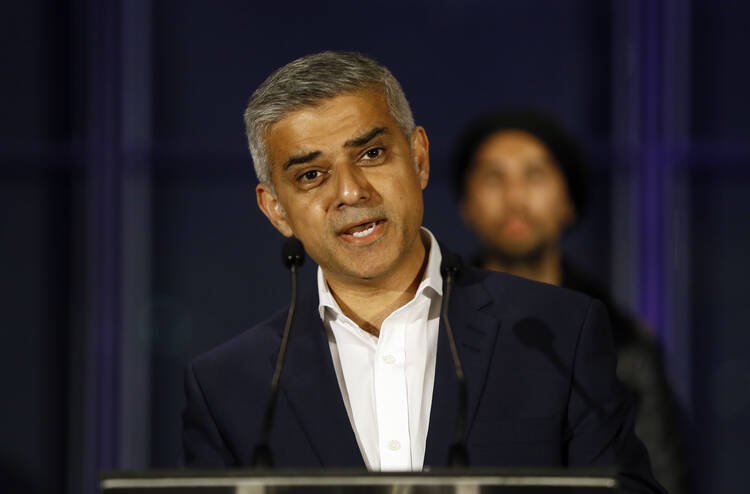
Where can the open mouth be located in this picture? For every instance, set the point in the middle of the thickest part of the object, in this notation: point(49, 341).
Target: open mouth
point(516, 227)
point(363, 231)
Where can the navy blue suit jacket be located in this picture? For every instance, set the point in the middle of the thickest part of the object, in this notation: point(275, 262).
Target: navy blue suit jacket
point(539, 364)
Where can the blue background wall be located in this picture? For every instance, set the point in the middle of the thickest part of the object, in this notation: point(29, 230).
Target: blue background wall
point(130, 240)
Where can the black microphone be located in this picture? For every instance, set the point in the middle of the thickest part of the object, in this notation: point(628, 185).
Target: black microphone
point(292, 255)
point(458, 455)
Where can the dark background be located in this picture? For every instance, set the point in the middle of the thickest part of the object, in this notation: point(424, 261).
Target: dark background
point(130, 240)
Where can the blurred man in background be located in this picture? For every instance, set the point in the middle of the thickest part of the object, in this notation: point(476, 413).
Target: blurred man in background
point(522, 183)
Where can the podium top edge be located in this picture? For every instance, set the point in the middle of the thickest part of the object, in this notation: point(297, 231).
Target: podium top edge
point(355, 472)
point(320, 477)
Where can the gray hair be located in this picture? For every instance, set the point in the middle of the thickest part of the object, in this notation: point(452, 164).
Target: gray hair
point(306, 82)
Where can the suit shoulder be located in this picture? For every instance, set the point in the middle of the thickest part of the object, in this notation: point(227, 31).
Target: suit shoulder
point(257, 341)
point(533, 297)
point(524, 287)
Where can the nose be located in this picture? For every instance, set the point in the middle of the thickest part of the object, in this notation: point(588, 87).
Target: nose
point(515, 192)
point(352, 187)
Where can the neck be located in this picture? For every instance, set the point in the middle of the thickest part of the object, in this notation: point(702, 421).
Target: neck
point(368, 304)
point(546, 268)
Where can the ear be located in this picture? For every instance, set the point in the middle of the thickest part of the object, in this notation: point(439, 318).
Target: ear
point(420, 148)
point(567, 220)
point(271, 207)
point(570, 215)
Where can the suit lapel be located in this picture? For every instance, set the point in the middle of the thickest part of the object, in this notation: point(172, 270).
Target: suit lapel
point(309, 383)
point(475, 332)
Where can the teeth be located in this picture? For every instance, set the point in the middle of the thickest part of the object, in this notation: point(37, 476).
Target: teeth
point(364, 233)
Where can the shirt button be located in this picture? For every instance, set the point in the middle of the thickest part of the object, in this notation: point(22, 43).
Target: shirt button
point(389, 359)
point(394, 445)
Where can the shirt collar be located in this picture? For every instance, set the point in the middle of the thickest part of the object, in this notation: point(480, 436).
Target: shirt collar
point(432, 279)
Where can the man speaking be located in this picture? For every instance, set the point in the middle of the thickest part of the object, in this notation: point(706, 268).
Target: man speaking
point(369, 380)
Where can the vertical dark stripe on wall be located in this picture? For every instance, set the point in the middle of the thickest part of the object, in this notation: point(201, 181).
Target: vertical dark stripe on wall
point(657, 123)
point(103, 237)
point(650, 132)
point(136, 132)
point(652, 165)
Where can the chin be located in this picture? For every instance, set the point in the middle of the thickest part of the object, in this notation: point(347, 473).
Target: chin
point(371, 270)
point(370, 274)
point(519, 245)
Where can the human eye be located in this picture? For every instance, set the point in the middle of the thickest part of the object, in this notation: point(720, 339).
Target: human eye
point(373, 155)
point(536, 173)
point(309, 178)
point(492, 177)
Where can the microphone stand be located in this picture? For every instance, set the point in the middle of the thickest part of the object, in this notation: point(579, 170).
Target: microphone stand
point(458, 454)
point(293, 255)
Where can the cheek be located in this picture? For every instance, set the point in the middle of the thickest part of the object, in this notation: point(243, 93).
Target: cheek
point(307, 219)
point(545, 197)
point(550, 205)
point(486, 202)
point(400, 189)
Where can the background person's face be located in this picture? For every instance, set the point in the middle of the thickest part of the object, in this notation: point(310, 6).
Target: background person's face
point(516, 198)
point(347, 185)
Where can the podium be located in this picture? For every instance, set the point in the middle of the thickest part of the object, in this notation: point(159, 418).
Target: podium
point(447, 481)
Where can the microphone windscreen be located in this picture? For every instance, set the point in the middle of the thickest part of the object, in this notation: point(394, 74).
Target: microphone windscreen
point(451, 264)
point(292, 253)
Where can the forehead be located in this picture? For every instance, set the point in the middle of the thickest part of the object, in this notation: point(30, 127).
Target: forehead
point(512, 144)
point(328, 124)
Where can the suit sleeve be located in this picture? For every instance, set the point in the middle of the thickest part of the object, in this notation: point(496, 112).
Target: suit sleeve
point(202, 444)
point(600, 421)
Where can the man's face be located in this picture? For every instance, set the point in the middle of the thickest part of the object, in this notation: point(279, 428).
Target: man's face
point(348, 185)
point(516, 198)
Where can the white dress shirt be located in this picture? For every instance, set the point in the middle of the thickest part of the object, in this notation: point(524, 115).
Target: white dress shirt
point(386, 382)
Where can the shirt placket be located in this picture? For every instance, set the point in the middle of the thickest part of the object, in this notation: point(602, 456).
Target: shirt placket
point(391, 397)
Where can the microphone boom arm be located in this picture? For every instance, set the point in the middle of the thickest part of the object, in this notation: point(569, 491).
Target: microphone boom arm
point(292, 256)
point(458, 454)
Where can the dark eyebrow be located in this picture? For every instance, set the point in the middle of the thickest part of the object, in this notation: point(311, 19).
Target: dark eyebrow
point(364, 139)
point(300, 158)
